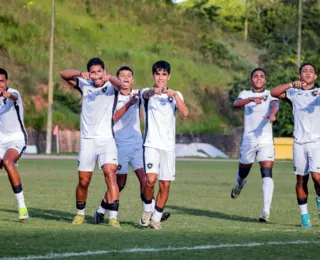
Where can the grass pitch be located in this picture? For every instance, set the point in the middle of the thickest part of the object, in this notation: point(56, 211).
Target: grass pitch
point(203, 214)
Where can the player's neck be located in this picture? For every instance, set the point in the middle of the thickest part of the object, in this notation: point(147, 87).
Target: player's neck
point(257, 90)
point(309, 86)
point(126, 91)
point(162, 88)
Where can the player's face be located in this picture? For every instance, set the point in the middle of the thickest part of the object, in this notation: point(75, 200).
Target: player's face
point(96, 74)
point(126, 78)
point(308, 74)
point(161, 78)
point(258, 79)
point(3, 83)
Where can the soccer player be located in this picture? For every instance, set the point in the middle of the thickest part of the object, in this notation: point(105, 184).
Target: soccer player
point(260, 109)
point(128, 137)
point(13, 138)
point(99, 92)
point(160, 104)
point(305, 101)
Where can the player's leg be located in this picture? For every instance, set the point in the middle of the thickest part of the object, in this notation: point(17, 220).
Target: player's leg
point(314, 166)
point(86, 164)
point(11, 156)
point(166, 175)
point(246, 159)
point(151, 162)
point(301, 170)
point(316, 180)
point(108, 162)
point(265, 159)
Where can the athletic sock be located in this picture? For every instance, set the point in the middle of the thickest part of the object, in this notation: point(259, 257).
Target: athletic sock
point(157, 214)
point(20, 200)
point(267, 188)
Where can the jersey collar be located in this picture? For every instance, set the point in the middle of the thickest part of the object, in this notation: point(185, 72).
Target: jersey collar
point(126, 94)
point(263, 90)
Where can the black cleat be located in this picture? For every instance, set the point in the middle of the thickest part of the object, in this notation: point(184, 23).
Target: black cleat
point(165, 216)
point(98, 218)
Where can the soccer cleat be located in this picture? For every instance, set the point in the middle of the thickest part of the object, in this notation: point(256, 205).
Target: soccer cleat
point(165, 216)
point(318, 205)
point(236, 190)
point(264, 217)
point(23, 214)
point(145, 219)
point(78, 220)
point(305, 221)
point(98, 218)
point(113, 222)
point(155, 225)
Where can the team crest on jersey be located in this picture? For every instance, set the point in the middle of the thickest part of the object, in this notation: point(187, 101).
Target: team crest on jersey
point(294, 168)
point(149, 165)
point(104, 90)
point(119, 167)
point(314, 93)
point(170, 99)
point(265, 98)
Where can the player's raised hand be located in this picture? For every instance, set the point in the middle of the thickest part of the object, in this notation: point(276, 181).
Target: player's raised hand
point(299, 84)
point(106, 77)
point(257, 100)
point(133, 99)
point(85, 75)
point(158, 91)
point(271, 118)
point(171, 93)
point(6, 94)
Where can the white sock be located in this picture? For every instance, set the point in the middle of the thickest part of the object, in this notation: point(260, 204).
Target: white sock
point(267, 188)
point(318, 197)
point(20, 200)
point(303, 208)
point(102, 210)
point(113, 214)
point(156, 216)
point(239, 180)
point(147, 207)
point(153, 204)
point(81, 211)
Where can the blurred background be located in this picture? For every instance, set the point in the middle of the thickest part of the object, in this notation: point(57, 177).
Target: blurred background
point(212, 46)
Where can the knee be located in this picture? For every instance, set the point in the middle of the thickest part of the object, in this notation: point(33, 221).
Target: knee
point(84, 183)
point(8, 164)
point(301, 181)
point(151, 181)
point(165, 185)
point(121, 185)
point(109, 171)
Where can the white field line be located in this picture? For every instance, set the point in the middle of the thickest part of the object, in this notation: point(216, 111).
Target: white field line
point(152, 250)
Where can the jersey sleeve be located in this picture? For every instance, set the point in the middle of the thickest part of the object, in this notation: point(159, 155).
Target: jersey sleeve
point(81, 83)
point(141, 93)
point(15, 93)
point(290, 93)
point(242, 95)
point(273, 98)
point(180, 96)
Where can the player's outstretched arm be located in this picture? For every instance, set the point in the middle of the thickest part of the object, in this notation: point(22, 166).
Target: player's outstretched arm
point(71, 75)
point(9, 95)
point(114, 81)
point(241, 102)
point(179, 102)
point(280, 91)
point(151, 92)
point(118, 114)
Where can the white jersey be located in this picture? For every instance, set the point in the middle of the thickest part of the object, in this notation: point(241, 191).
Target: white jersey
point(98, 105)
point(127, 128)
point(11, 119)
point(160, 121)
point(306, 114)
point(256, 128)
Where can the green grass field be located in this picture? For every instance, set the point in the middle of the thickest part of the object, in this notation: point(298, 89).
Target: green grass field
point(202, 215)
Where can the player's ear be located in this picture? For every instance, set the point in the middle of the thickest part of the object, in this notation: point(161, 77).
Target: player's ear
point(169, 76)
point(105, 71)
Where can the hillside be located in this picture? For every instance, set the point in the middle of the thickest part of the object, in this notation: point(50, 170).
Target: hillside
point(204, 64)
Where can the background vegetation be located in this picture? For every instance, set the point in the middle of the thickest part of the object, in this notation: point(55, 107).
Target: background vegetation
point(203, 40)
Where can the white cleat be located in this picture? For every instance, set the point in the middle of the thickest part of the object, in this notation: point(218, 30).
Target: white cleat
point(145, 219)
point(155, 225)
point(264, 217)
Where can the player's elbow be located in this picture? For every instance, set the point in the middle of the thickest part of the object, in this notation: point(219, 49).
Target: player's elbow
point(273, 93)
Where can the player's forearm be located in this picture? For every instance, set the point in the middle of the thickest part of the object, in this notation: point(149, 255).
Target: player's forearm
point(239, 103)
point(121, 112)
point(149, 93)
point(274, 108)
point(115, 81)
point(181, 106)
point(12, 97)
point(70, 74)
point(279, 91)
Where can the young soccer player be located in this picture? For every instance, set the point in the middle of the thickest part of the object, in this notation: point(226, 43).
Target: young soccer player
point(99, 92)
point(160, 104)
point(128, 137)
point(13, 138)
point(305, 101)
point(260, 109)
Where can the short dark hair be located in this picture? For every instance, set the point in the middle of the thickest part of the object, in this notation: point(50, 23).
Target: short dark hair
point(124, 68)
point(4, 72)
point(161, 65)
point(305, 64)
point(95, 61)
point(257, 69)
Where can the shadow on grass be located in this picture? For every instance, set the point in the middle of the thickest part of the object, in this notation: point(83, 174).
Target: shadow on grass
point(210, 214)
point(61, 216)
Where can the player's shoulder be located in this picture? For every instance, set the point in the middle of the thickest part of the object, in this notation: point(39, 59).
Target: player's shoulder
point(135, 91)
point(245, 93)
point(13, 90)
